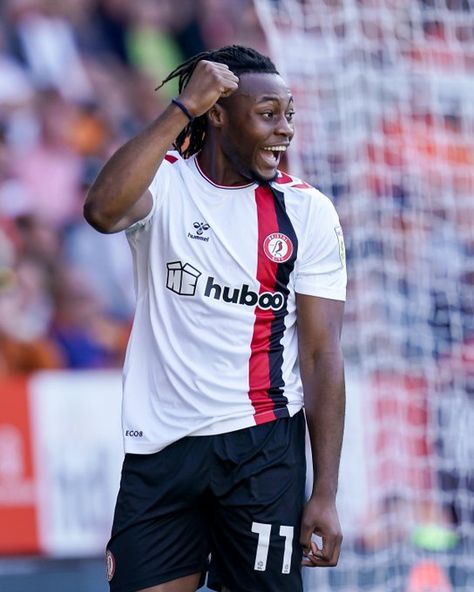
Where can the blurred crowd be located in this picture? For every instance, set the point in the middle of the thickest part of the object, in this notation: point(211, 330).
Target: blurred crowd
point(77, 79)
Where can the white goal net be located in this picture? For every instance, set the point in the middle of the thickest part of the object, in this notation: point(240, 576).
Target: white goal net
point(384, 95)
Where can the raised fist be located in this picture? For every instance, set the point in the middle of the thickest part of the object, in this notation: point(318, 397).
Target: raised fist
point(209, 82)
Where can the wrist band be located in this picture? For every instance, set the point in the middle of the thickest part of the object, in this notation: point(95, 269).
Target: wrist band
point(183, 109)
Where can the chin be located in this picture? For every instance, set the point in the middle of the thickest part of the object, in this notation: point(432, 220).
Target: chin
point(260, 178)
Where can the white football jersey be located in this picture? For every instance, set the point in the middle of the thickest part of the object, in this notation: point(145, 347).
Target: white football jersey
point(213, 346)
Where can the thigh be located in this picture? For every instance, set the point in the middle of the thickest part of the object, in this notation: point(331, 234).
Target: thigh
point(160, 530)
point(259, 503)
point(186, 584)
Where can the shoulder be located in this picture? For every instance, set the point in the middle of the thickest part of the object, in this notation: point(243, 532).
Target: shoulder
point(172, 157)
point(300, 191)
point(177, 165)
point(285, 181)
point(168, 170)
point(166, 176)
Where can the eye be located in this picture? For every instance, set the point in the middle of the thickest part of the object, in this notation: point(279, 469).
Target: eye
point(289, 116)
point(267, 114)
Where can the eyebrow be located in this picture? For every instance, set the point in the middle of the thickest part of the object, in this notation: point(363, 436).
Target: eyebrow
point(266, 98)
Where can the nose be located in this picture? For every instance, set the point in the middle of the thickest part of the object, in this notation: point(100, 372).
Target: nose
point(284, 127)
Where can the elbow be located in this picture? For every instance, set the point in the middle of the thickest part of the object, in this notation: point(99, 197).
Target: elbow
point(96, 218)
point(329, 360)
point(313, 356)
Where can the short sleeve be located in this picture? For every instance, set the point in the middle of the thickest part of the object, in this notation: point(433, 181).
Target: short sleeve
point(321, 265)
point(158, 189)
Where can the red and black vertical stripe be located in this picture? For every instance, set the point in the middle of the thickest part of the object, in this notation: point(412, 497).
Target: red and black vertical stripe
point(266, 384)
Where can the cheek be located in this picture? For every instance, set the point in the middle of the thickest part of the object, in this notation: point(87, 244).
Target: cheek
point(241, 148)
point(243, 143)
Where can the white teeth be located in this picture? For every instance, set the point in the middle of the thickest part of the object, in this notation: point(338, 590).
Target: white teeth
point(275, 148)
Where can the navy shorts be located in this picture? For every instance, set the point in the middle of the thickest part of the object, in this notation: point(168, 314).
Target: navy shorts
point(227, 504)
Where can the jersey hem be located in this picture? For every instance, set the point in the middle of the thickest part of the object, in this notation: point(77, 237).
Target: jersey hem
point(232, 425)
point(220, 427)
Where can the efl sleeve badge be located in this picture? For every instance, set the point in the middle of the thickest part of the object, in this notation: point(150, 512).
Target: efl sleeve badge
point(340, 240)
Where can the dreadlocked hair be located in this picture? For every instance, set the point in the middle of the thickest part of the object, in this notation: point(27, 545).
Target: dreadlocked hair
point(240, 60)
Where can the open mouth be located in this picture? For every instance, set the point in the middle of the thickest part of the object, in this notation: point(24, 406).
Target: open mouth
point(272, 154)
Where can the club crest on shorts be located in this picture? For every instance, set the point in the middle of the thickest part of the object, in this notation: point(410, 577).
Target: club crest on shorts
point(278, 247)
point(110, 564)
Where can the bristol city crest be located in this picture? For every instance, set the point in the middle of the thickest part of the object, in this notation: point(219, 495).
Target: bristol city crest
point(278, 247)
point(110, 564)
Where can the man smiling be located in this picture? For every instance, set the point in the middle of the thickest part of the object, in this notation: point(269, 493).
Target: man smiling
point(232, 337)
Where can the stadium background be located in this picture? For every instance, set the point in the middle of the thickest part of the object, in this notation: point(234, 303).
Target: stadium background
point(384, 92)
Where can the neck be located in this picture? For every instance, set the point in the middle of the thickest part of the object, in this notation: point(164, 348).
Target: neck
point(218, 168)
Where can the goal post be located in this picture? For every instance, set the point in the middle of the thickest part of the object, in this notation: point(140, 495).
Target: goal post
point(384, 100)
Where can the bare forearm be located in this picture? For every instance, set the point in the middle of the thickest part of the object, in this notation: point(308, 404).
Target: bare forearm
point(324, 393)
point(126, 176)
point(322, 373)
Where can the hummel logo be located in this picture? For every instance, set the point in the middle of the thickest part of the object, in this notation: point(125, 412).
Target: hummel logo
point(200, 227)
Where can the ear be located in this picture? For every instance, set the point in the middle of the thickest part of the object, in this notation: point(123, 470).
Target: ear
point(216, 115)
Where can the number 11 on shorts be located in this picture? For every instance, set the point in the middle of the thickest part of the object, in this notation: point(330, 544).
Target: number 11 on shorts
point(263, 545)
